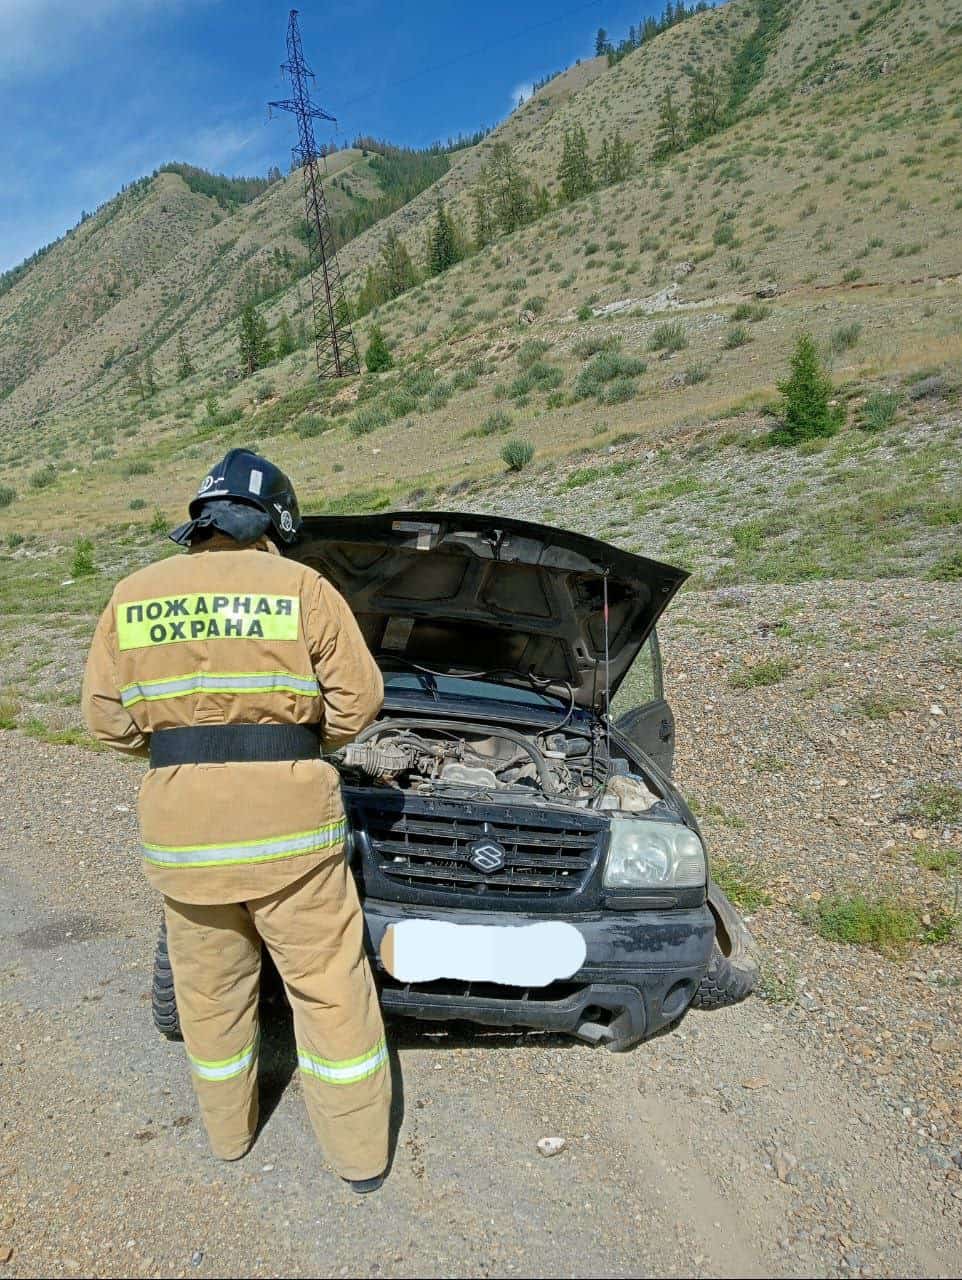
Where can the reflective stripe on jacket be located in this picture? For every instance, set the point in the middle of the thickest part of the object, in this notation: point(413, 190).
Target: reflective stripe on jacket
point(227, 635)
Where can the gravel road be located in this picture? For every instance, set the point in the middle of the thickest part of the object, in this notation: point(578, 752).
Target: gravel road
point(816, 1132)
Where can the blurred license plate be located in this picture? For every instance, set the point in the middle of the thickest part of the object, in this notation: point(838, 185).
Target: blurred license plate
point(530, 955)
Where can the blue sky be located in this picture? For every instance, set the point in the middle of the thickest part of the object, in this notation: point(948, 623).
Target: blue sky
point(95, 93)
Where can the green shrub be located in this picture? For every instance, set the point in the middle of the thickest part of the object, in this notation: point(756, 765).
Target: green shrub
point(537, 377)
point(496, 422)
point(748, 536)
point(536, 304)
point(438, 396)
point(695, 373)
point(83, 559)
point(743, 885)
point(590, 345)
point(941, 860)
point(400, 403)
point(477, 367)
point(516, 454)
point(44, 476)
point(844, 337)
point(531, 351)
point(669, 336)
point(618, 391)
point(585, 312)
point(737, 336)
point(761, 673)
point(137, 504)
point(367, 419)
point(312, 424)
point(583, 476)
point(947, 568)
point(158, 522)
point(137, 467)
point(7, 495)
point(419, 380)
point(15, 540)
point(377, 357)
point(750, 312)
point(605, 368)
point(879, 410)
point(937, 802)
point(806, 410)
point(884, 923)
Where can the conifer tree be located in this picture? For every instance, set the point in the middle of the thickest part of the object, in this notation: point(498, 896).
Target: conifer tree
point(372, 292)
point(150, 377)
point(806, 395)
point(396, 268)
point(707, 106)
point(284, 342)
point(540, 201)
point(669, 138)
point(615, 160)
point(185, 366)
point(255, 347)
point(602, 44)
point(510, 188)
point(574, 171)
point(135, 381)
point(481, 198)
point(444, 248)
point(377, 357)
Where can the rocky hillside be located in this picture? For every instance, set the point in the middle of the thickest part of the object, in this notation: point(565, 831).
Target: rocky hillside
point(830, 186)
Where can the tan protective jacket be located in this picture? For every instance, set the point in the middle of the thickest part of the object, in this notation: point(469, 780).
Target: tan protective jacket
point(229, 635)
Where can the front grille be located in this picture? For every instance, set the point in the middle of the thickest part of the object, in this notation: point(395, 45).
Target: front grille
point(425, 845)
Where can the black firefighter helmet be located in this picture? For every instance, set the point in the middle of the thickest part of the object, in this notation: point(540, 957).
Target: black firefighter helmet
point(244, 496)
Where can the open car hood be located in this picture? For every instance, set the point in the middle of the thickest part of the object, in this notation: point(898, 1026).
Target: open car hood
point(461, 593)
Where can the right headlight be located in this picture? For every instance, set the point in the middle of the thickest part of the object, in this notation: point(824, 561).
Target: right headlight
point(648, 854)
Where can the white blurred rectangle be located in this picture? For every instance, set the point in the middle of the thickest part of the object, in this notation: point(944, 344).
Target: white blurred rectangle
point(531, 955)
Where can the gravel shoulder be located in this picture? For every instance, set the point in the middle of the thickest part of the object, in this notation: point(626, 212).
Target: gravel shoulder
point(815, 1132)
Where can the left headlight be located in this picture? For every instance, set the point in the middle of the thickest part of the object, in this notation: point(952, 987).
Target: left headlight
point(647, 854)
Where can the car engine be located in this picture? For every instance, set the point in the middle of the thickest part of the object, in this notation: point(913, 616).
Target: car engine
point(568, 765)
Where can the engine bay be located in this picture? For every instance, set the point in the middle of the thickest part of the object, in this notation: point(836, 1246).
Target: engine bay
point(567, 765)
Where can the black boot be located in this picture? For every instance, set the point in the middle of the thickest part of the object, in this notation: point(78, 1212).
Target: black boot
point(364, 1186)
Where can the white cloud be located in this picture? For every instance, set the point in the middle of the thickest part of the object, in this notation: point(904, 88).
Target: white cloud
point(217, 146)
point(521, 93)
point(38, 35)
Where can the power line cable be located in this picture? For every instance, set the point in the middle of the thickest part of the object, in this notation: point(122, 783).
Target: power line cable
point(474, 53)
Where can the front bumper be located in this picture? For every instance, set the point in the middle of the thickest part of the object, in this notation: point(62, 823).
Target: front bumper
point(640, 973)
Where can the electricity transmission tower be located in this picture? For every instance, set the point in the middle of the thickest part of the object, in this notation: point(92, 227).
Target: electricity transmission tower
point(334, 345)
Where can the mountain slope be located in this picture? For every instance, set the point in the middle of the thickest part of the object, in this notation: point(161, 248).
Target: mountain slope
point(837, 187)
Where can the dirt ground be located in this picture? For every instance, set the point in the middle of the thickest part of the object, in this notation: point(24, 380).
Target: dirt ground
point(812, 1133)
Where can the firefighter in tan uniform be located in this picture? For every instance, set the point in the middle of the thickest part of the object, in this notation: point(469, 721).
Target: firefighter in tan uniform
point(233, 668)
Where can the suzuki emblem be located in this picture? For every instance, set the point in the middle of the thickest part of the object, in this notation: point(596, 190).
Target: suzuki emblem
point(487, 856)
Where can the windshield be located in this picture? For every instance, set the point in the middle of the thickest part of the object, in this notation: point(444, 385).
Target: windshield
point(455, 687)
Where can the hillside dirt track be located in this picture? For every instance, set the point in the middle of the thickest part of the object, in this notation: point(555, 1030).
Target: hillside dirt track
point(814, 1135)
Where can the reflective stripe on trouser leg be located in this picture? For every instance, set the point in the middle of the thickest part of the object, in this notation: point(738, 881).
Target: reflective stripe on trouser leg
point(215, 956)
point(315, 932)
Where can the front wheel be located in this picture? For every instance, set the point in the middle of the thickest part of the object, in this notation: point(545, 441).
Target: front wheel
point(732, 971)
point(163, 1001)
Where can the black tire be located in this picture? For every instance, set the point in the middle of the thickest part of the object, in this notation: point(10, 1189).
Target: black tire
point(163, 1001)
point(732, 971)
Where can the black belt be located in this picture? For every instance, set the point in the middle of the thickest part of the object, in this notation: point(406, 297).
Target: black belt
point(230, 743)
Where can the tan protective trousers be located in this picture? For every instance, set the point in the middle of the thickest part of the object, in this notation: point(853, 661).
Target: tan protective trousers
point(313, 929)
